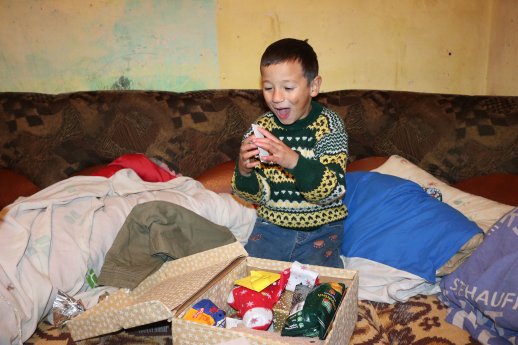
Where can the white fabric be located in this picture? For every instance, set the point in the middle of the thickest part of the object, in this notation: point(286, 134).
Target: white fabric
point(50, 239)
point(382, 283)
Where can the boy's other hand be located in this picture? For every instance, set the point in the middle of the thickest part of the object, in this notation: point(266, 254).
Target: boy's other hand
point(247, 156)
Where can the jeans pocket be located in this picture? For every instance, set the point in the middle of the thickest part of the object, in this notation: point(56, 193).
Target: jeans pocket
point(335, 231)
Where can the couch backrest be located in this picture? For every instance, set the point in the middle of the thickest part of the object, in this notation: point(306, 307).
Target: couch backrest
point(49, 137)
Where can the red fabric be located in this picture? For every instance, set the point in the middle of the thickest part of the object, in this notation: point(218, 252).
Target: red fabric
point(144, 167)
point(256, 307)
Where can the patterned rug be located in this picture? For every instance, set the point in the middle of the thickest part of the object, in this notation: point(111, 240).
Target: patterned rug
point(418, 321)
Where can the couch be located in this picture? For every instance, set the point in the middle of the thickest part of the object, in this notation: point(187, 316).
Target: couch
point(467, 142)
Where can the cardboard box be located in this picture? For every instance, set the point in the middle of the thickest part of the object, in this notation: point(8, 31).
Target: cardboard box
point(171, 291)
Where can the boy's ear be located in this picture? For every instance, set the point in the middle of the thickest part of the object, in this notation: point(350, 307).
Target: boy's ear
point(314, 86)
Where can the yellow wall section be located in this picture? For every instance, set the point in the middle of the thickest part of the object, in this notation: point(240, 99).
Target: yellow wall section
point(503, 53)
point(425, 45)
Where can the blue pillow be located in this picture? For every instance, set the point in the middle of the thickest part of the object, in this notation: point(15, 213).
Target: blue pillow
point(393, 221)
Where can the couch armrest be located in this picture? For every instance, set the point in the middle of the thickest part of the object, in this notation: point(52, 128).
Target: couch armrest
point(217, 179)
point(13, 185)
point(367, 163)
point(498, 187)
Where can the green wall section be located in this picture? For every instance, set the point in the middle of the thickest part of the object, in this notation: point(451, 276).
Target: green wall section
point(60, 46)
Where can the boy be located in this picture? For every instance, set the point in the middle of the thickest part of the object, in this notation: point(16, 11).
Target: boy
point(299, 183)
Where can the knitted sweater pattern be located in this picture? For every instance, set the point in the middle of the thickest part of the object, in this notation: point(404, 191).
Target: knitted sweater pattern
point(309, 195)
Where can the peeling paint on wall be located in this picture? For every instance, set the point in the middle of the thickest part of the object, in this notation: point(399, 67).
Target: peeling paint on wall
point(61, 46)
point(122, 83)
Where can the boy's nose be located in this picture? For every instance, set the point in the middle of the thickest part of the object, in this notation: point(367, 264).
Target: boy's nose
point(278, 96)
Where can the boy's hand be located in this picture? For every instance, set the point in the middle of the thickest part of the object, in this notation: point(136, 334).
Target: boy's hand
point(247, 153)
point(280, 153)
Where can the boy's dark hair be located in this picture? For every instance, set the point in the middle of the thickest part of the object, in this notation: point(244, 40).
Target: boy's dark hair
point(291, 49)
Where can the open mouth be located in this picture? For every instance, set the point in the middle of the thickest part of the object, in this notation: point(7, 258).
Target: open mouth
point(283, 113)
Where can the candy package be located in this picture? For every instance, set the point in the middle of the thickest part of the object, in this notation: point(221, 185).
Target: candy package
point(317, 313)
point(64, 308)
point(205, 311)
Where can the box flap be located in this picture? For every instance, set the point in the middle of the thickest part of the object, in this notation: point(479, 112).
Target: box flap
point(157, 296)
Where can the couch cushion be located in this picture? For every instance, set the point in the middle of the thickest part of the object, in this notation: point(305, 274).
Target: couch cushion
point(13, 185)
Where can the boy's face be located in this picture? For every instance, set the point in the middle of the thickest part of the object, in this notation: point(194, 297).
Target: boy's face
point(286, 91)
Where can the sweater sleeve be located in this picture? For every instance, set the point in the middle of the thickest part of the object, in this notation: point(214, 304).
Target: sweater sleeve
point(247, 187)
point(322, 180)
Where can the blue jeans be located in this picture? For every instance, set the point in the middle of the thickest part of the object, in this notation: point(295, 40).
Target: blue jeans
point(318, 247)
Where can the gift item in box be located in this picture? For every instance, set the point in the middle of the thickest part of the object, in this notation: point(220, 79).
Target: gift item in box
point(299, 297)
point(255, 307)
point(317, 313)
point(206, 312)
point(281, 310)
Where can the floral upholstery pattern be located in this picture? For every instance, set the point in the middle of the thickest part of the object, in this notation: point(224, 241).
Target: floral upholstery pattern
point(50, 137)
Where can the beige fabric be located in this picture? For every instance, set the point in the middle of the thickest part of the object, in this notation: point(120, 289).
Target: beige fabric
point(464, 252)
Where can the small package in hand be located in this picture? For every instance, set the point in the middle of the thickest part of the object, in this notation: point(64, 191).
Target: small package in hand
point(258, 134)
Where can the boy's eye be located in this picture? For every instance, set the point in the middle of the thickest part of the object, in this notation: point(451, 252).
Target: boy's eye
point(267, 88)
point(288, 88)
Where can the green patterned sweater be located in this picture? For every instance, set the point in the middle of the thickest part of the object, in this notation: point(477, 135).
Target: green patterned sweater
point(309, 195)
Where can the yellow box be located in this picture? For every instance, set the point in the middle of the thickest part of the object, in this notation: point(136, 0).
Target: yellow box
point(178, 285)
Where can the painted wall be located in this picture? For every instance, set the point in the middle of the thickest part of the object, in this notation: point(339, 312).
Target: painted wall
point(448, 46)
point(503, 53)
point(374, 44)
point(68, 45)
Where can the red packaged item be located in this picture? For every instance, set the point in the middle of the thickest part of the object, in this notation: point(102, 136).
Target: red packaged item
point(256, 308)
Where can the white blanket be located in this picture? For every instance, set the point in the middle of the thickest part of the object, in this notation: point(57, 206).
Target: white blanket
point(50, 240)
